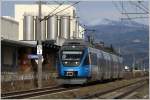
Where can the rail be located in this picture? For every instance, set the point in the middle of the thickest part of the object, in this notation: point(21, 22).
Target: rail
point(101, 93)
point(31, 93)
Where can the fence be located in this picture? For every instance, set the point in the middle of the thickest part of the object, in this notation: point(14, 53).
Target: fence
point(14, 76)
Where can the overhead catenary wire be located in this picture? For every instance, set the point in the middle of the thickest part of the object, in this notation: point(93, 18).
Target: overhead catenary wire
point(144, 6)
point(128, 17)
point(139, 6)
point(66, 8)
point(60, 4)
point(122, 7)
point(136, 18)
point(46, 17)
point(124, 10)
point(117, 7)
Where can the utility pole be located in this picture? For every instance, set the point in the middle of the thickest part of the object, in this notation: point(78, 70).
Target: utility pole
point(39, 42)
point(133, 64)
point(39, 48)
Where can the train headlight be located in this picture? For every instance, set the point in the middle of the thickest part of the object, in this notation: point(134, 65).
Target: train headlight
point(66, 62)
point(73, 46)
point(76, 62)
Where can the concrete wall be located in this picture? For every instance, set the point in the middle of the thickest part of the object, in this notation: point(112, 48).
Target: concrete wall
point(9, 28)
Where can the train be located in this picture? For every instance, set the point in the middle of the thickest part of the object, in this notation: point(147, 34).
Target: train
point(80, 63)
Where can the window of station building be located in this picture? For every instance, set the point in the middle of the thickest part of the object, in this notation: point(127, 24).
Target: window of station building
point(7, 56)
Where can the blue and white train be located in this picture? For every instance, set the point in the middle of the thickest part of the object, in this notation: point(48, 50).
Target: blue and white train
point(79, 64)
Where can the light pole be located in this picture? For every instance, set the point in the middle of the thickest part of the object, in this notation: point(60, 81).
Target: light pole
point(39, 48)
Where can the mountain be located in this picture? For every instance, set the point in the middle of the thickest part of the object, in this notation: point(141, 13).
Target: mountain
point(106, 21)
point(131, 38)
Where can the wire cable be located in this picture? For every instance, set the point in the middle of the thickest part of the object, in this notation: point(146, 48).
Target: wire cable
point(144, 6)
point(138, 6)
point(56, 8)
point(117, 7)
point(124, 10)
point(46, 17)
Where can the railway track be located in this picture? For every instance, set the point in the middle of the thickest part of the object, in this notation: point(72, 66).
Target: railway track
point(116, 93)
point(123, 92)
point(31, 93)
point(38, 92)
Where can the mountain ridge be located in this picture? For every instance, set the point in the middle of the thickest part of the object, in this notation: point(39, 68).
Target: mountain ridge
point(131, 39)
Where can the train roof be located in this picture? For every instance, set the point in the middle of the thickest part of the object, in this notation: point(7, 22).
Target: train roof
point(74, 42)
point(82, 44)
point(104, 51)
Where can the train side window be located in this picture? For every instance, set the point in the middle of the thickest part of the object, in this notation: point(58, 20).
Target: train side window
point(93, 58)
point(86, 61)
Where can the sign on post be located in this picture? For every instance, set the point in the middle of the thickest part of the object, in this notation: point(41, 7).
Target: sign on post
point(39, 49)
point(32, 56)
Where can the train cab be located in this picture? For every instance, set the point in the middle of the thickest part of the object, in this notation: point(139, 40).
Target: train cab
point(73, 63)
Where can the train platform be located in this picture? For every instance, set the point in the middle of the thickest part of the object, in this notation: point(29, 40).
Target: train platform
point(19, 70)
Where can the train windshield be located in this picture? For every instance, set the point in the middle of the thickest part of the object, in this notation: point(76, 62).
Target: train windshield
point(71, 58)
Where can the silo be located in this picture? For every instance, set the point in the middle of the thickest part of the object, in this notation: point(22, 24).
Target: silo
point(28, 27)
point(52, 28)
point(65, 26)
point(59, 26)
point(43, 29)
point(77, 29)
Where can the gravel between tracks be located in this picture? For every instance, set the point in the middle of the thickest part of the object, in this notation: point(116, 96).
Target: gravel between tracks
point(79, 92)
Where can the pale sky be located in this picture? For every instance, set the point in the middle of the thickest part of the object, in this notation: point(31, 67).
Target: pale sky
point(89, 12)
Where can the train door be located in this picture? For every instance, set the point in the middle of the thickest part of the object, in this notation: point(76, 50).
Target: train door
point(102, 67)
point(99, 65)
point(111, 66)
point(94, 68)
point(105, 66)
point(120, 68)
point(117, 67)
point(101, 60)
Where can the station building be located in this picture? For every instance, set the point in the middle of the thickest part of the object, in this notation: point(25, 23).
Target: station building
point(19, 41)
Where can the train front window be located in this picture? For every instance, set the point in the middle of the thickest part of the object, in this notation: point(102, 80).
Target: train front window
point(71, 58)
